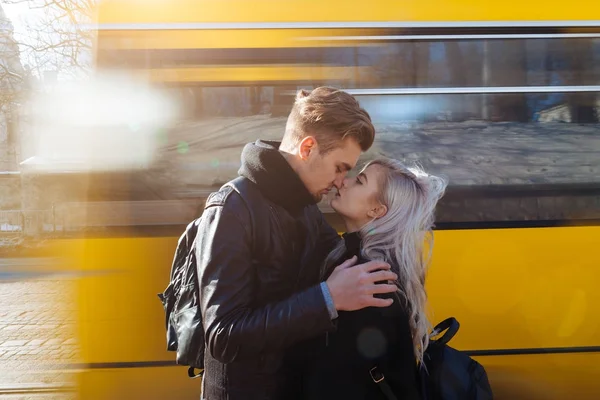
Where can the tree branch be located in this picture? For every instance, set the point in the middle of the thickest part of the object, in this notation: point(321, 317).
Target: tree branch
point(57, 38)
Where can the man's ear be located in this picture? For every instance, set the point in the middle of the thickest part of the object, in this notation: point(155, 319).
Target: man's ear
point(377, 212)
point(306, 147)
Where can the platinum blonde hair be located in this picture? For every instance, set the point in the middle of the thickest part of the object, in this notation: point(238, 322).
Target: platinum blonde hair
point(403, 237)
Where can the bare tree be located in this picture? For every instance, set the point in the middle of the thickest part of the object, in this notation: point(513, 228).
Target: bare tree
point(60, 39)
point(57, 41)
point(12, 74)
point(12, 85)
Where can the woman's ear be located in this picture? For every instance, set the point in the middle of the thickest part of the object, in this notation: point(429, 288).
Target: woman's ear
point(377, 212)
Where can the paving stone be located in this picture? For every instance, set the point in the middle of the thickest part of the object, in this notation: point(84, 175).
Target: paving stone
point(37, 330)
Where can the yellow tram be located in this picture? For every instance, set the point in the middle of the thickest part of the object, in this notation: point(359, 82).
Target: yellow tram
point(501, 97)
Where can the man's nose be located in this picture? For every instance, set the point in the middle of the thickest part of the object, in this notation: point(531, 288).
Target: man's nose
point(340, 182)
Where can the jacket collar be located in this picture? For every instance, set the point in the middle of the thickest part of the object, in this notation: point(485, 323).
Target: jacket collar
point(263, 164)
point(352, 242)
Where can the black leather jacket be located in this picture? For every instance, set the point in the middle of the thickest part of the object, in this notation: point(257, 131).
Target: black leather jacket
point(339, 363)
point(256, 303)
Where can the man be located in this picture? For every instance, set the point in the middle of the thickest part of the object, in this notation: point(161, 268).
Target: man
point(254, 306)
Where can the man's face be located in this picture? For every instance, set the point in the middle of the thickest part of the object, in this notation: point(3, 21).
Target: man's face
point(321, 173)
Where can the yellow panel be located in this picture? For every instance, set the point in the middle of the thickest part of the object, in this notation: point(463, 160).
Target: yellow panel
point(165, 11)
point(138, 383)
point(227, 39)
point(547, 377)
point(509, 288)
point(253, 74)
point(121, 316)
point(518, 287)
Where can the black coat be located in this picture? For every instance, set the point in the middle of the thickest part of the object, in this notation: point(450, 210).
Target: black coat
point(336, 365)
point(254, 306)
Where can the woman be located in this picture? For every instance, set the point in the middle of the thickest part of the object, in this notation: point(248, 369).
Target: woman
point(388, 210)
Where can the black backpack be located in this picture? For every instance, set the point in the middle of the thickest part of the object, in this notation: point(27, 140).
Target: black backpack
point(181, 298)
point(449, 374)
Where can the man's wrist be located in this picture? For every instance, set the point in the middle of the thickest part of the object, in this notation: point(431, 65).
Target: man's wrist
point(333, 314)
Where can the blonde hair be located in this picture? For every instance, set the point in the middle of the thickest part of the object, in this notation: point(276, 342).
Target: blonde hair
point(330, 115)
point(402, 236)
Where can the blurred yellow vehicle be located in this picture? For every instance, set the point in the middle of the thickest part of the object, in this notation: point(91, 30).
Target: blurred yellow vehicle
point(501, 97)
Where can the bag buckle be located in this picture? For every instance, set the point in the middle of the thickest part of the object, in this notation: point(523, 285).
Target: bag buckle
point(376, 375)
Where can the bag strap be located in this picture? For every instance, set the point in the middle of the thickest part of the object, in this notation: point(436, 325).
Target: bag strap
point(379, 379)
point(260, 214)
point(450, 325)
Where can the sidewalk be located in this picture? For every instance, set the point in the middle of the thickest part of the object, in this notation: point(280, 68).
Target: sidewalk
point(37, 335)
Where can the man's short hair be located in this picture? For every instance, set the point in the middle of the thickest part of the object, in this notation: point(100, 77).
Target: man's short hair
point(330, 115)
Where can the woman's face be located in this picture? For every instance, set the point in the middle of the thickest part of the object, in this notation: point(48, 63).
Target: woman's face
point(358, 199)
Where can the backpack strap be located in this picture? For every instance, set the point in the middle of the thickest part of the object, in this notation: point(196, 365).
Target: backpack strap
point(379, 379)
point(250, 193)
point(450, 325)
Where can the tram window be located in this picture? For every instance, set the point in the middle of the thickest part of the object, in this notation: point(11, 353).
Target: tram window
point(509, 157)
point(235, 101)
point(518, 155)
point(422, 63)
point(460, 63)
